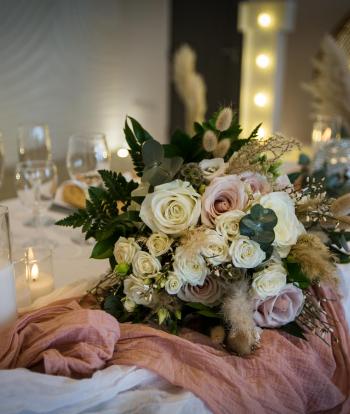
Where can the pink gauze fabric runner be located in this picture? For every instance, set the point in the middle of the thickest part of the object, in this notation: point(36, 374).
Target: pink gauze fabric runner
point(285, 376)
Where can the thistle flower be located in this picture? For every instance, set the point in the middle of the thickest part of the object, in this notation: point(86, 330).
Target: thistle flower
point(210, 141)
point(222, 148)
point(224, 119)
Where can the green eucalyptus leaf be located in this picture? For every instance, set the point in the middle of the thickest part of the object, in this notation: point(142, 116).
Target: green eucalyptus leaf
point(152, 153)
point(103, 249)
point(156, 175)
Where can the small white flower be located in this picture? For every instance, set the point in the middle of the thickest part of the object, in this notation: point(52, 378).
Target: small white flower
point(227, 224)
point(172, 208)
point(269, 281)
point(145, 265)
point(288, 227)
point(125, 250)
point(212, 168)
point(210, 141)
point(246, 253)
point(136, 290)
point(222, 148)
point(173, 284)
point(158, 244)
point(224, 119)
point(129, 305)
point(190, 267)
point(215, 248)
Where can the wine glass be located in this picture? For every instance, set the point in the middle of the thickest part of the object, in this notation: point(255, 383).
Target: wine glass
point(87, 153)
point(34, 142)
point(2, 159)
point(36, 184)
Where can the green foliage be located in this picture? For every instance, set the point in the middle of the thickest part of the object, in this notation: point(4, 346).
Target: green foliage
point(203, 310)
point(259, 226)
point(294, 329)
point(102, 219)
point(295, 274)
point(338, 243)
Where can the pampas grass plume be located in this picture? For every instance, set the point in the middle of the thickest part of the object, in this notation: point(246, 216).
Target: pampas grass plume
point(224, 119)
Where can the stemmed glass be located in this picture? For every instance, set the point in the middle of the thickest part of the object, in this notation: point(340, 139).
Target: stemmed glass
point(87, 153)
point(34, 142)
point(36, 184)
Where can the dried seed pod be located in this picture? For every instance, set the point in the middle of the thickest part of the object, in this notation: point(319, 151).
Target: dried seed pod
point(224, 119)
point(210, 141)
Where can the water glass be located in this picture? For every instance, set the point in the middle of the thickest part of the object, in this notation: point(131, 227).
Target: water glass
point(34, 143)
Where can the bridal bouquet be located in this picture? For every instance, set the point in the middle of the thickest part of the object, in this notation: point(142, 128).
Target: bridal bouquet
point(212, 237)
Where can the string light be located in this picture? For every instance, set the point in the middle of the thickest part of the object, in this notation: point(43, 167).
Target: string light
point(260, 99)
point(122, 152)
point(264, 20)
point(263, 61)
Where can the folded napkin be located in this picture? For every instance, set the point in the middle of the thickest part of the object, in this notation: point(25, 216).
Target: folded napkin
point(286, 375)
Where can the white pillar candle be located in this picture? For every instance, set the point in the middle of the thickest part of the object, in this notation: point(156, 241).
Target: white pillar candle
point(8, 307)
point(23, 293)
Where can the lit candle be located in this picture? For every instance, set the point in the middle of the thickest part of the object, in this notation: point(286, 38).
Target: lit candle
point(40, 284)
point(8, 308)
point(23, 293)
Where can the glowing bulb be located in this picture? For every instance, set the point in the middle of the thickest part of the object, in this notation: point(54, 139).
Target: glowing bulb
point(261, 132)
point(264, 20)
point(122, 152)
point(34, 274)
point(263, 61)
point(260, 99)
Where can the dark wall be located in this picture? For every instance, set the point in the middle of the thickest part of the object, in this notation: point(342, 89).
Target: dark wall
point(210, 28)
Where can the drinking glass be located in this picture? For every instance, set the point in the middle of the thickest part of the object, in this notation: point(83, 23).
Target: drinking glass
point(2, 159)
point(36, 184)
point(8, 307)
point(34, 143)
point(87, 153)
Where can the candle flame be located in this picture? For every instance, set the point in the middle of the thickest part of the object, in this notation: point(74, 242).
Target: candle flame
point(34, 272)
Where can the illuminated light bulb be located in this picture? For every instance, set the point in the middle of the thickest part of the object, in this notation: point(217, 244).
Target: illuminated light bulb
point(264, 20)
point(260, 99)
point(262, 61)
point(122, 152)
point(34, 274)
point(261, 132)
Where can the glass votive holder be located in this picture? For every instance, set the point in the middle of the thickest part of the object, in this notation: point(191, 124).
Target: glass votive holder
point(23, 294)
point(37, 271)
point(325, 128)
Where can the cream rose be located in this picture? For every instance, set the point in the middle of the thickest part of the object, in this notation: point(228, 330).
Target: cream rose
point(223, 194)
point(190, 267)
point(136, 290)
point(158, 244)
point(210, 293)
point(288, 227)
point(246, 253)
point(214, 248)
point(145, 265)
point(212, 168)
point(125, 250)
point(172, 208)
point(129, 305)
point(269, 281)
point(227, 225)
point(173, 283)
point(258, 183)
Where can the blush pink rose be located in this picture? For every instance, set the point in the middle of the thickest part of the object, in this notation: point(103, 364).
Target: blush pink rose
point(223, 194)
point(210, 293)
point(281, 309)
point(258, 183)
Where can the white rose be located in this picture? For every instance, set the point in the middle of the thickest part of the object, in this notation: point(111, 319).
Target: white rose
point(125, 250)
point(129, 305)
point(172, 208)
point(190, 267)
point(227, 224)
point(144, 265)
point(173, 284)
point(214, 248)
point(158, 244)
point(282, 183)
point(269, 281)
point(288, 227)
point(212, 168)
point(136, 290)
point(246, 253)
